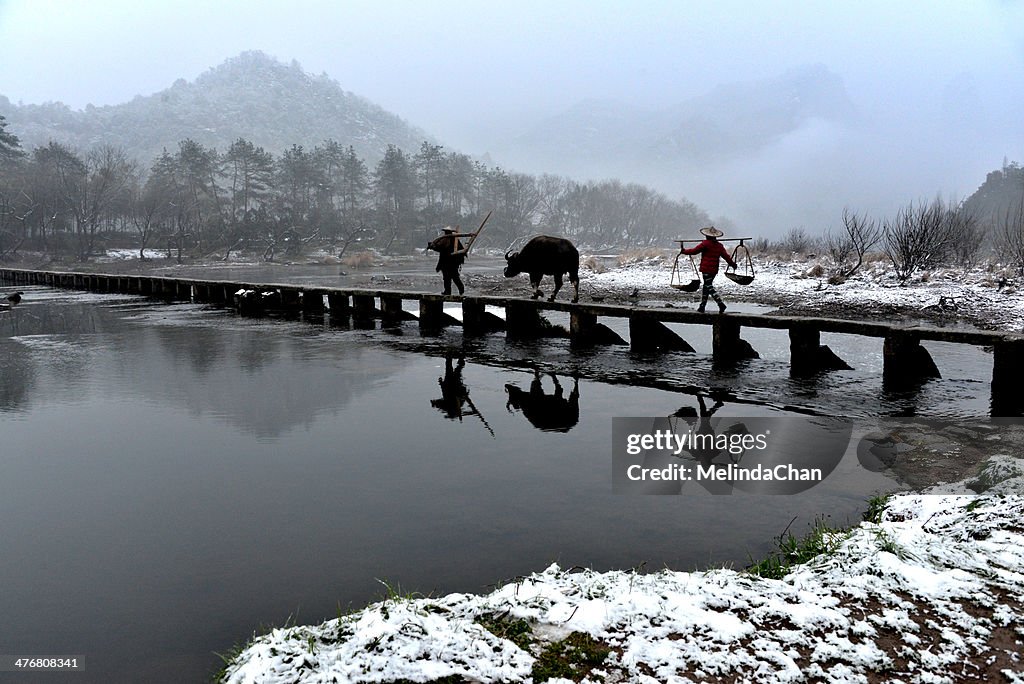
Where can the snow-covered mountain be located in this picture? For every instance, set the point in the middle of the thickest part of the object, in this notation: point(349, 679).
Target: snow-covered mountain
point(251, 96)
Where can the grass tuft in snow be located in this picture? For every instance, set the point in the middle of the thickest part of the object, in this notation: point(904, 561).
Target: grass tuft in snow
point(571, 658)
point(238, 648)
point(503, 626)
point(822, 539)
point(792, 551)
point(876, 506)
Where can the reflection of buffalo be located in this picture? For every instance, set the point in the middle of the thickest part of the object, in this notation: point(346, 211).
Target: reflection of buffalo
point(546, 255)
point(548, 412)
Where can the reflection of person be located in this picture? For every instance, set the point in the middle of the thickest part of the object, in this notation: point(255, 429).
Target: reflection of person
point(450, 256)
point(453, 391)
point(704, 449)
point(455, 401)
point(711, 250)
point(703, 454)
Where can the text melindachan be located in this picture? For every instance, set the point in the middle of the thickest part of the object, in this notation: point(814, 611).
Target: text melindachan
point(728, 473)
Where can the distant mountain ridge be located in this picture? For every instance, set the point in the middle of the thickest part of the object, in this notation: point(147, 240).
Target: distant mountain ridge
point(251, 96)
point(731, 121)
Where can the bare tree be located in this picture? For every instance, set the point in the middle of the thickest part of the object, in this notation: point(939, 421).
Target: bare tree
point(145, 203)
point(968, 234)
point(839, 248)
point(920, 237)
point(861, 234)
point(1011, 235)
point(797, 241)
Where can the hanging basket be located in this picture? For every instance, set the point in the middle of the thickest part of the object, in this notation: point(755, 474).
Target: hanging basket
point(691, 286)
point(739, 278)
point(676, 280)
point(746, 276)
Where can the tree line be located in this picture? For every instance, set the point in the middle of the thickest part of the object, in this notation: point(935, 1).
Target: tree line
point(920, 236)
point(198, 201)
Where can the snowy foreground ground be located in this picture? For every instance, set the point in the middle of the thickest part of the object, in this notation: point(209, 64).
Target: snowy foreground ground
point(933, 592)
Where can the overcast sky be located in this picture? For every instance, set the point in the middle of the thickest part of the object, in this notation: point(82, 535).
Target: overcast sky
point(462, 69)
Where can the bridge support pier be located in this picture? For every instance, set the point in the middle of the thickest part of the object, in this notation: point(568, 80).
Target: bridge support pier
point(363, 311)
point(727, 346)
point(221, 293)
point(477, 320)
point(473, 317)
point(522, 321)
point(431, 313)
point(905, 361)
point(391, 309)
point(585, 331)
point(313, 301)
point(291, 298)
point(807, 355)
point(647, 334)
point(338, 304)
point(1007, 377)
point(248, 301)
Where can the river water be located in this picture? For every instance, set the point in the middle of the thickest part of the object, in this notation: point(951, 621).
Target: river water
point(177, 476)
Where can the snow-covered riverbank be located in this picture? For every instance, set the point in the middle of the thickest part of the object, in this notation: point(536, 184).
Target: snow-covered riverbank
point(985, 296)
point(931, 592)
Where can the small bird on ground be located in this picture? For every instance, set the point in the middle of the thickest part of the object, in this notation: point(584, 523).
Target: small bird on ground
point(635, 294)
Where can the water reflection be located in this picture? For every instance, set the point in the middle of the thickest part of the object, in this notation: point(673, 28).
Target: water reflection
point(18, 376)
point(207, 361)
point(455, 402)
point(548, 412)
point(695, 420)
point(782, 454)
point(176, 475)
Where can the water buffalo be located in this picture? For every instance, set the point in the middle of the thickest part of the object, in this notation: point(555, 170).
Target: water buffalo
point(546, 255)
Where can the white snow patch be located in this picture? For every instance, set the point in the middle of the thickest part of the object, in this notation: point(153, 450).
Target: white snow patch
point(981, 291)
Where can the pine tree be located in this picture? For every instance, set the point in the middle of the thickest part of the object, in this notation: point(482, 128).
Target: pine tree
point(10, 146)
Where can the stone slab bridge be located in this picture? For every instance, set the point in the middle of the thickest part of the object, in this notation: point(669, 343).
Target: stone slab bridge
point(906, 361)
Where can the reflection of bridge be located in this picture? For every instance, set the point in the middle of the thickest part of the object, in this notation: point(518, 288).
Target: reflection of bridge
point(905, 360)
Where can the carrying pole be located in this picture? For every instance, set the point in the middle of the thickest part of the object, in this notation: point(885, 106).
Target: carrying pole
point(472, 239)
point(719, 239)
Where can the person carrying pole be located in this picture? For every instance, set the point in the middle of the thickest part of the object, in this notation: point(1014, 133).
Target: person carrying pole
point(711, 250)
point(450, 256)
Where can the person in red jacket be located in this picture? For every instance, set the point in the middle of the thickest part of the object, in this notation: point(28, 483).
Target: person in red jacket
point(710, 250)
